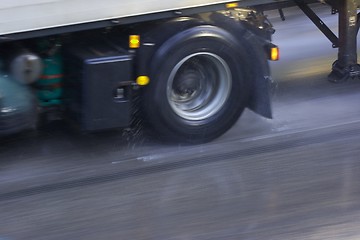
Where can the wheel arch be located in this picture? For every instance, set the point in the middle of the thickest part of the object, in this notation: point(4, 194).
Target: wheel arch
point(208, 31)
point(238, 32)
point(255, 45)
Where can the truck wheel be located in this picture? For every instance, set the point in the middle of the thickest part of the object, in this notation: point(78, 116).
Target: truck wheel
point(198, 88)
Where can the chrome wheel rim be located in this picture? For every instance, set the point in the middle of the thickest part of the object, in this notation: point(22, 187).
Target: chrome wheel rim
point(198, 86)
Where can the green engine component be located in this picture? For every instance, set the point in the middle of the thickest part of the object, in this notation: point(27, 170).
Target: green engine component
point(50, 90)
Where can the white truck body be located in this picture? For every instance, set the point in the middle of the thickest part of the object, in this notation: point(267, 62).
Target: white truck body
point(28, 15)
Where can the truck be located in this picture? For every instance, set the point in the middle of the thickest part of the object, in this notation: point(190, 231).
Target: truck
point(188, 68)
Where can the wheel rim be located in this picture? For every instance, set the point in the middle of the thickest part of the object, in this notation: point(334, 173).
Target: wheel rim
point(199, 86)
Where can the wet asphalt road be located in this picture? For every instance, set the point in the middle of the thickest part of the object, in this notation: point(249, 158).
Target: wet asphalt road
point(293, 177)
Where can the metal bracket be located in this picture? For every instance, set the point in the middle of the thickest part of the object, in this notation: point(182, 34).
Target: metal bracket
point(346, 66)
point(349, 23)
point(281, 12)
point(318, 22)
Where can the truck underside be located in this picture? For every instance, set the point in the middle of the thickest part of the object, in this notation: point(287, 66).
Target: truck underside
point(190, 69)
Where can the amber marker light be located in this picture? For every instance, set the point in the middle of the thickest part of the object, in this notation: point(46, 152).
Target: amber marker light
point(134, 41)
point(232, 5)
point(274, 54)
point(142, 80)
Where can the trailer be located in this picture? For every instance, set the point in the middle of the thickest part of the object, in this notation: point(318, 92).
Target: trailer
point(189, 67)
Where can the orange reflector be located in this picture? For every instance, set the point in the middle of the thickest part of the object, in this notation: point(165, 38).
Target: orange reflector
point(134, 41)
point(274, 54)
point(232, 5)
point(142, 80)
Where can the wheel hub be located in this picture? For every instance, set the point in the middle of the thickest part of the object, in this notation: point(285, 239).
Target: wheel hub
point(187, 85)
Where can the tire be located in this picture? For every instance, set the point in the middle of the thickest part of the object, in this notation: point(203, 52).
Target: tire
point(198, 85)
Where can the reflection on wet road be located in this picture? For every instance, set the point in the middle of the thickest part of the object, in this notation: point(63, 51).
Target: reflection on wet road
point(293, 177)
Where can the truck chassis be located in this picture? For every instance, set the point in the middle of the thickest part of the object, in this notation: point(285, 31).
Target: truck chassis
point(191, 70)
